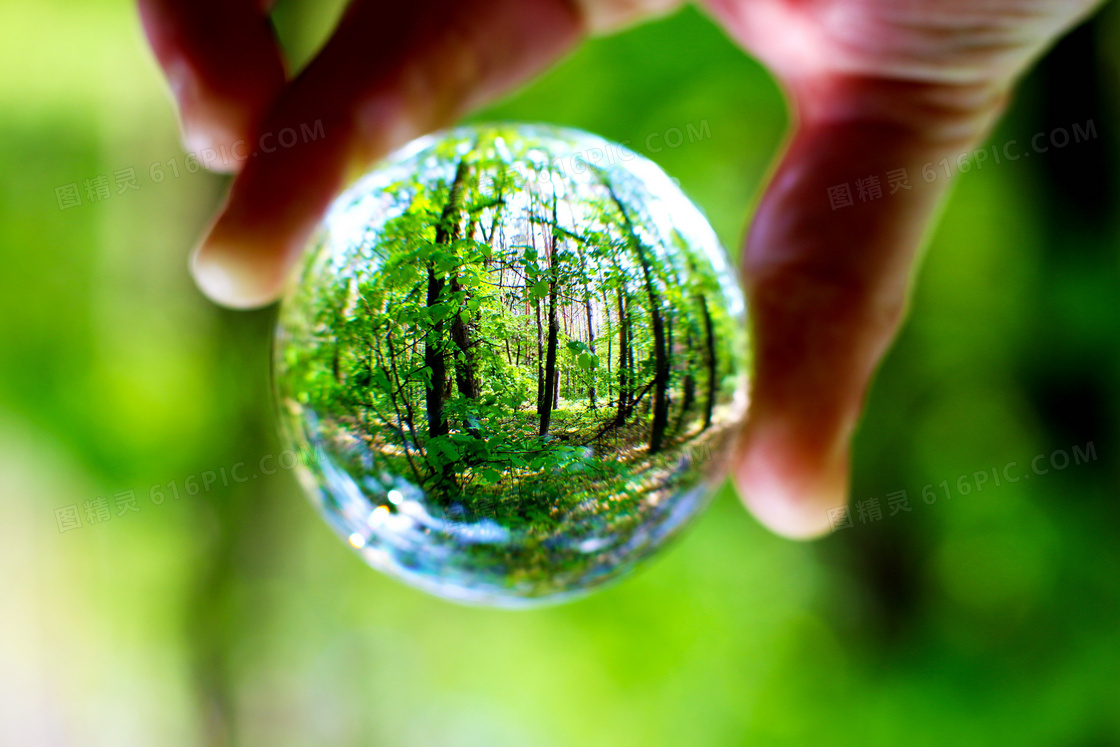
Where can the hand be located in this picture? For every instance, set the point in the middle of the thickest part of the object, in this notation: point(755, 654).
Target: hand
point(874, 85)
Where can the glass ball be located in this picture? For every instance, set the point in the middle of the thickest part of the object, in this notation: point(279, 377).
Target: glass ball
point(512, 357)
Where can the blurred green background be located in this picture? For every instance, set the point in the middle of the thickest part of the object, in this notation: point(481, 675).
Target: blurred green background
point(235, 616)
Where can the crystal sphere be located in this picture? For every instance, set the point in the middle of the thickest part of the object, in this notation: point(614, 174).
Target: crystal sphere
point(513, 356)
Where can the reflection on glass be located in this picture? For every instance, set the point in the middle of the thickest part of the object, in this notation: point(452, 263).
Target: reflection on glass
point(514, 355)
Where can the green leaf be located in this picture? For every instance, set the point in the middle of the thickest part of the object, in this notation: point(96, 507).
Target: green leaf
point(444, 262)
point(380, 380)
point(443, 448)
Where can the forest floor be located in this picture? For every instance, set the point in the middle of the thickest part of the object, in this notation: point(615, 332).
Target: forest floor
point(584, 475)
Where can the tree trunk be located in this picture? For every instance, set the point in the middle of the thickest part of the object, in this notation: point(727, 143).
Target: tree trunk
point(437, 389)
point(688, 383)
point(710, 350)
point(590, 347)
point(623, 368)
point(610, 341)
point(661, 371)
point(433, 359)
point(540, 356)
point(465, 376)
point(660, 353)
point(669, 353)
point(551, 375)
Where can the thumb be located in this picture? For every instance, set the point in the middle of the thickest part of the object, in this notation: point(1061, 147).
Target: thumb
point(827, 266)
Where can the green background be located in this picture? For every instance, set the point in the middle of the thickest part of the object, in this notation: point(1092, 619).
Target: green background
point(235, 616)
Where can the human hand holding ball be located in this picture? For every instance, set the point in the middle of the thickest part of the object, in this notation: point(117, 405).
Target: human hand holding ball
point(874, 86)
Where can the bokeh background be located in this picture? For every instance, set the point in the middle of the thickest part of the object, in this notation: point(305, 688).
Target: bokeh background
point(235, 616)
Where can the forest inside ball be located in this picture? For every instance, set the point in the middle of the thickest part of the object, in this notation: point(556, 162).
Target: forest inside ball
point(519, 353)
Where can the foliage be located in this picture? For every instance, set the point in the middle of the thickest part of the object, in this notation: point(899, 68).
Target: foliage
point(516, 340)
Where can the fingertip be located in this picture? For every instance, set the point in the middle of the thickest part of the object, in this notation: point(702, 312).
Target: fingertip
point(790, 491)
point(235, 275)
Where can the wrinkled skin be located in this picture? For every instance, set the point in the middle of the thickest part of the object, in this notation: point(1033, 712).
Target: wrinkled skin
point(874, 86)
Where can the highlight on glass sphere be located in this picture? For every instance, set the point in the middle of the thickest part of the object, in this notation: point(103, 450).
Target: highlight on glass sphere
point(516, 355)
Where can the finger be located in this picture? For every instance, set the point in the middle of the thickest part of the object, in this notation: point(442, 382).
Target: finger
point(390, 73)
point(605, 16)
point(828, 281)
point(224, 67)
